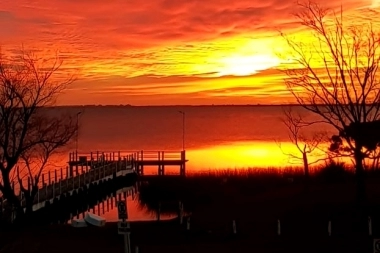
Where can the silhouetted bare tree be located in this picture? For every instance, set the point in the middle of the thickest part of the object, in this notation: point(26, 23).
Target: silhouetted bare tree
point(337, 76)
point(306, 145)
point(29, 132)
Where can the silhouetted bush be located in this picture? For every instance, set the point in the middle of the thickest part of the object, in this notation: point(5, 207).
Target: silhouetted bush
point(333, 172)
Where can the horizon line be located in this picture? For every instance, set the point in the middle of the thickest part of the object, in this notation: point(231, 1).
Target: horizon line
point(185, 105)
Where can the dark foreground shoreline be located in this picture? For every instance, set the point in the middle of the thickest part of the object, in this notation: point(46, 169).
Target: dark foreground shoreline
point(255, 201)
point(168, 237)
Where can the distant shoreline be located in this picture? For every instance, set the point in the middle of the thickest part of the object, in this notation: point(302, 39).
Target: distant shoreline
point(226, 105)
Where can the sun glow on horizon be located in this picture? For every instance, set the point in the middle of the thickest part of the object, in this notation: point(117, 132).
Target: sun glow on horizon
point(241, 65)
point(116, 49)
point(375, 3)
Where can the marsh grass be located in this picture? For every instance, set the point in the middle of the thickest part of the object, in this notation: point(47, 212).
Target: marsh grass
point(205, 187)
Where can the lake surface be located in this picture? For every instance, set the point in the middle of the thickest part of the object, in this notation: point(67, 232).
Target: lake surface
point(216, 137)
point(108, 209)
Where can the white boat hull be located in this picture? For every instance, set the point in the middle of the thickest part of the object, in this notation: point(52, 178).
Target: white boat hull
point(78, 223)
point(95, 220)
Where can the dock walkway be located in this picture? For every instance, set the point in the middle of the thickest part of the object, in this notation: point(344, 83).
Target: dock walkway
point(91, 168)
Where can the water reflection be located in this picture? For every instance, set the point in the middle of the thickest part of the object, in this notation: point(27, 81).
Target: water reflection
point(136, 212)
point(253, 154)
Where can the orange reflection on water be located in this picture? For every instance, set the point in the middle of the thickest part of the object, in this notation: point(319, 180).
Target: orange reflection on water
point(254, 154)
point(246, 155)
point(108, 210)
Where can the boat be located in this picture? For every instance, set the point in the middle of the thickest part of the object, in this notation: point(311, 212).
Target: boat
point(78, 223)
point(94, 220)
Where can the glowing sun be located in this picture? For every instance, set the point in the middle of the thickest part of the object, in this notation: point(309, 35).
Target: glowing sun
point(246, 65)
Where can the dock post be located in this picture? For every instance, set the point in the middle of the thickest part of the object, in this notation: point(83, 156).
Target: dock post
point(183, 163)
point(159, 165)
point(53, 189)
point(29, 184)
point(67, 172)
point(71, 171)
point(43, 179)
point(49, 178)
point(55, 175)
point(61, 174)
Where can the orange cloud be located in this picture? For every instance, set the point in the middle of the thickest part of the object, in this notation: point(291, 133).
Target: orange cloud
point(164, 51)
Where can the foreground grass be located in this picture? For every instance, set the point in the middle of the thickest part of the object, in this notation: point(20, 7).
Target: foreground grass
point(254, 198)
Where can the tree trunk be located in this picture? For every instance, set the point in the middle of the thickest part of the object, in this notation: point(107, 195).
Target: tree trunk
point(10, 196)
point(8, 191)
point(306, 170)
point(360, 175)
point(305, 164)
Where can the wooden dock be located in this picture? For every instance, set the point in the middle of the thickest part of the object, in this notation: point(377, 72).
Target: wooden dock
point(161, 159)
point(140, 159)
point(91, 168)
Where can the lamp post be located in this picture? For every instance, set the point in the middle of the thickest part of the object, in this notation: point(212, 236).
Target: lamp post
point(183, 129)
point(76, 137)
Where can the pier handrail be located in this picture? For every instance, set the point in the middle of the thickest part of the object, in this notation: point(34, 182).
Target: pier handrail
point(137, 155)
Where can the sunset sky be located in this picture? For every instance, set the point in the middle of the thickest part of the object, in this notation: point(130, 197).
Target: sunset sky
point(164, 51)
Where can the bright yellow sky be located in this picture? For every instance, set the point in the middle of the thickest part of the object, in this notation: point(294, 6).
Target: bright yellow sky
point(164, 51)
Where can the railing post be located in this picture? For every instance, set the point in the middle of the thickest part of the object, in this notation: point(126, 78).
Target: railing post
point(61, 174)
point(79, 180)
point(49, 178)
point(67, 172)
point(55, 176)
point(29, 182)
point(43, 179)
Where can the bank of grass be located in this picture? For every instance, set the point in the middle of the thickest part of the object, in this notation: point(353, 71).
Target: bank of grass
point(256, 198)
point(203, 187)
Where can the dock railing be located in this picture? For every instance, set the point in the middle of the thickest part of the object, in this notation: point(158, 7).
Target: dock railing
point(93, 166)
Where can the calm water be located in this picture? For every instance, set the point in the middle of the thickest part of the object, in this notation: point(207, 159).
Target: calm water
point(108, 210)
point(216, 137)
